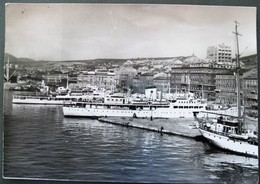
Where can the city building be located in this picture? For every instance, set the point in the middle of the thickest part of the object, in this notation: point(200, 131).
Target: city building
point(124, 77)
point(226, 88)
point(226, 84)
point(141, 81)
point(215, 81)
point(194, 75)
point(124, 82)
point(162, 82)
point(250, 91)
point(100, 79)
point(220, 54)
point(54, 79)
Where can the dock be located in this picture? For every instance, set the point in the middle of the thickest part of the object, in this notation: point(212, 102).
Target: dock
point(177, 127)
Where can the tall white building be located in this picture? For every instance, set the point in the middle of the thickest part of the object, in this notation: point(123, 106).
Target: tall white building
point(220, 54)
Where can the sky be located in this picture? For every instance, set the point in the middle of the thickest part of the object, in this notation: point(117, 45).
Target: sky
point(89, 31)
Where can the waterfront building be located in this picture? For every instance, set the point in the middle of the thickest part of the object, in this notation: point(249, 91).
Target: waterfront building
point(100, 79)
point(194, 75)
point(53, 79)
point(124, 82)
point(211, 80)
point(141, 81)
point(220, 54)
point(162, 82)
point(226, 85)
point(226, 88)
point(250, 89)
point(124, 77)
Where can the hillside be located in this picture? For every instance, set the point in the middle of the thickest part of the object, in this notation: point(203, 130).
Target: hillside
point(28, 61)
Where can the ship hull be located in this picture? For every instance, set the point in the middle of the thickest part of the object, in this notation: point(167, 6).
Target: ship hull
point(158, 113)
point(233, 145)
point(38, 101)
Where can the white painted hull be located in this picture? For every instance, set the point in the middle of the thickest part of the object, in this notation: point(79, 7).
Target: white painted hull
point(216, 113)
point(224, 142)
point(58, 100)
point(158, 113)
point(38, 101)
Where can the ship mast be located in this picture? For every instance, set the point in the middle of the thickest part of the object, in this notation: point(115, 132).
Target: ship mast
point(67, 85)
point(7, 70)
point(237, 71)
point(7, 67)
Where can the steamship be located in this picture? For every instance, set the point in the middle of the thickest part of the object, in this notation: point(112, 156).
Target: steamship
point(181, 105)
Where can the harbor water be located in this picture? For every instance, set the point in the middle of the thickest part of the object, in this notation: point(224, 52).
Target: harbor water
point(40, 143)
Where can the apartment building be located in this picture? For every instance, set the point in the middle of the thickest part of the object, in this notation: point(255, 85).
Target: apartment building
point(220, 54)
point(100, 79)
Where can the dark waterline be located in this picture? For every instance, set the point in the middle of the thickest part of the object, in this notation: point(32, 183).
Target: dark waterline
point(40, 143)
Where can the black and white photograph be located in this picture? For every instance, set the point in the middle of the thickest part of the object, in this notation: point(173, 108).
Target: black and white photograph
point(139, 93)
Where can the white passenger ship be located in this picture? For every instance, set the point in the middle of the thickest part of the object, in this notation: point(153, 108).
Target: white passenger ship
point(185, 106)
point(42, 100)
point(59, 99)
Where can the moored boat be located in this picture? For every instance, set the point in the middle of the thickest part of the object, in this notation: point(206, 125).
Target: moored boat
point(121, 106)
point(60, 97)
point(228, 131)
point(224, 132)
point(52, 100)
point(42, 100)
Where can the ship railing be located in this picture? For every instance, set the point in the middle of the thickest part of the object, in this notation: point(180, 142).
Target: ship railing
point(82, 104)
point(30, 97)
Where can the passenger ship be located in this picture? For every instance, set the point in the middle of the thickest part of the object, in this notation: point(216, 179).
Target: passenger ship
point(64, 96)
point(184, 106)
point(43, 100)
point(57, 100)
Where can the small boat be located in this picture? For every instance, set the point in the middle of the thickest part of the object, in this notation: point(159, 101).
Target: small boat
point(227, 131)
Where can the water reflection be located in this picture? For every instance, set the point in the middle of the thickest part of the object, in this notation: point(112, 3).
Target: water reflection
point(220, 160)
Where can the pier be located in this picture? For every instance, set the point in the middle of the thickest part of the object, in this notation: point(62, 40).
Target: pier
point(176, 127)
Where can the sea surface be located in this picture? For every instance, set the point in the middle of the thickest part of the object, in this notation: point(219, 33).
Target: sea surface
point(39, 143)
